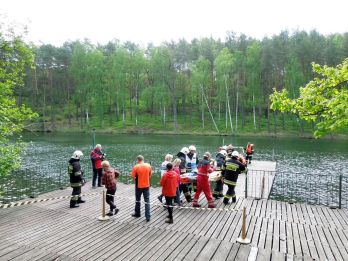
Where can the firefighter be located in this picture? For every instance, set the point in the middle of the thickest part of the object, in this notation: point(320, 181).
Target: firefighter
point(184, 187)
point(229, 150)
point(232, 168)
point(204, 168)
point(76, 178)
point(219, 186)
point(97, 156)
point(249, 151)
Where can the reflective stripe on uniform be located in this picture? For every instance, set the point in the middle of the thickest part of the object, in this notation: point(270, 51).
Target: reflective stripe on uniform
point(229, 182)
point(231, 166)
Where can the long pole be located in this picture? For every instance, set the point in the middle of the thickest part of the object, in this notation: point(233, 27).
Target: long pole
point(211, 115)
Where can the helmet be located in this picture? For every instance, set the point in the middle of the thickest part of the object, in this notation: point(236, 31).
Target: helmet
point(224, 147)
point(192, 148)
point(77, 154)
point(230, 147)
point(223, 152)
point(207, 155)
point(98, 146)
point(184, 150)
point(235, 154)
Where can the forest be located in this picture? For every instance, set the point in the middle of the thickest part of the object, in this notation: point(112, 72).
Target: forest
point(203, 86)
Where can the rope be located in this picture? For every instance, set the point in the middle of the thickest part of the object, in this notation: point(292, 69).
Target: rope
point(28, 202)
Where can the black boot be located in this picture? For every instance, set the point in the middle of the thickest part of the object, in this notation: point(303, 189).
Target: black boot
point(188, 198)
point(80, 200)
point(73, 204)
point(226, 201)
point(234, 199)
point(169, 220)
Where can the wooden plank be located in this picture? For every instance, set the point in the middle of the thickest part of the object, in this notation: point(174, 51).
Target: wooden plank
point(243, 252)
point(324, 242)
point(209, 250)
point(303, 240)
point(269, 234)
point(277, 256)
point(263, 254)
point(156, 249)
point(311, 246)
point(290, 239)
point(253, 254)
point(263, 232)
point(255, 237)
point(183, 249)
point(332, 245)
point(275, 236)
point(282, 237)
point(233, 252)
point(222, 252)
point(196, 249)
point(173, 246)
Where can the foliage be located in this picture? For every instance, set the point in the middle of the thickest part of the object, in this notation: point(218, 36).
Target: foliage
point(120, 83)
point(15, 56)
point(324, 100)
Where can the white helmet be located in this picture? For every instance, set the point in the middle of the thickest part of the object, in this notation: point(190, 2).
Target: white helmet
point(224, 147)
point(235, 153)
point(207, 155)
point(184, 150)
point(192, 148)
point(223, 152)
point(98, 146)
point(77, 154)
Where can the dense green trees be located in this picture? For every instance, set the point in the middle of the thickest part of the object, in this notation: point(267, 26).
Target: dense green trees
point(323, 100)
point(202, 85)
point(15, 55)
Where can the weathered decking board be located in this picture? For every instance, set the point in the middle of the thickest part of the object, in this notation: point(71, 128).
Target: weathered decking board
point(50, 230)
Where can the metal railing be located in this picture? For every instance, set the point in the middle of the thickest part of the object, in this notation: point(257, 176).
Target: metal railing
point(258, 183)
point(318, 189)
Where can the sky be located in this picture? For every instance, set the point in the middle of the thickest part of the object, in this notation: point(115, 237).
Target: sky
point(56, 21)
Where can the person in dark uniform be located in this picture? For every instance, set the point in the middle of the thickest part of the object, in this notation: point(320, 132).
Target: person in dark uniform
point(231, 169)
point(76, 178)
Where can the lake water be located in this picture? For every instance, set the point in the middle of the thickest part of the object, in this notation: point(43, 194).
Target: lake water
point(301, 163)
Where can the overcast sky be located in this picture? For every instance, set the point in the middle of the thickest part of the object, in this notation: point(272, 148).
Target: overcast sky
point(144, 21)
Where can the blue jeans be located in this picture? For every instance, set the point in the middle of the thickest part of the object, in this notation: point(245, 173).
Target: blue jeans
point(146, 194)
point(178, 201)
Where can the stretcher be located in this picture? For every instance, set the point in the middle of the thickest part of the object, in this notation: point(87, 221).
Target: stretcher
point(192, 177)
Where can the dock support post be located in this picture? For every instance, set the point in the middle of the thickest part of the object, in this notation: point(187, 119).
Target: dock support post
point(246, 184)
point(103, 217)
point(243, 239)
point(340, 192)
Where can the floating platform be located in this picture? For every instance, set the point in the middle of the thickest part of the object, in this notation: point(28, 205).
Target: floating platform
point(50, 230)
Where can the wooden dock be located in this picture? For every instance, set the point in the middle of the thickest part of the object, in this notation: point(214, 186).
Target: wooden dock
point(50, 230)
point(259, 179)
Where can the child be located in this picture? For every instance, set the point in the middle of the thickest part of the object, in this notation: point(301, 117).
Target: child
point(176, 168)
point(109, 180)
point(167, 159)
point(169, 182)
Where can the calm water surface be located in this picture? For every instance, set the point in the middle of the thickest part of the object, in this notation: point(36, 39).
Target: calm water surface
point(301, 160)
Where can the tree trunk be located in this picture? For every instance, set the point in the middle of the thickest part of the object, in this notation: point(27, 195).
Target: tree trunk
point(202, 112)
point(254, 113)
point(236, 113)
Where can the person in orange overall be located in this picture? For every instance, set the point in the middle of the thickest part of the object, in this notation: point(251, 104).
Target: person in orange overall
point(204, 168)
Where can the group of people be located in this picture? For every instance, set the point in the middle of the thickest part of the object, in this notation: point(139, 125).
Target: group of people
point(227, 160)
